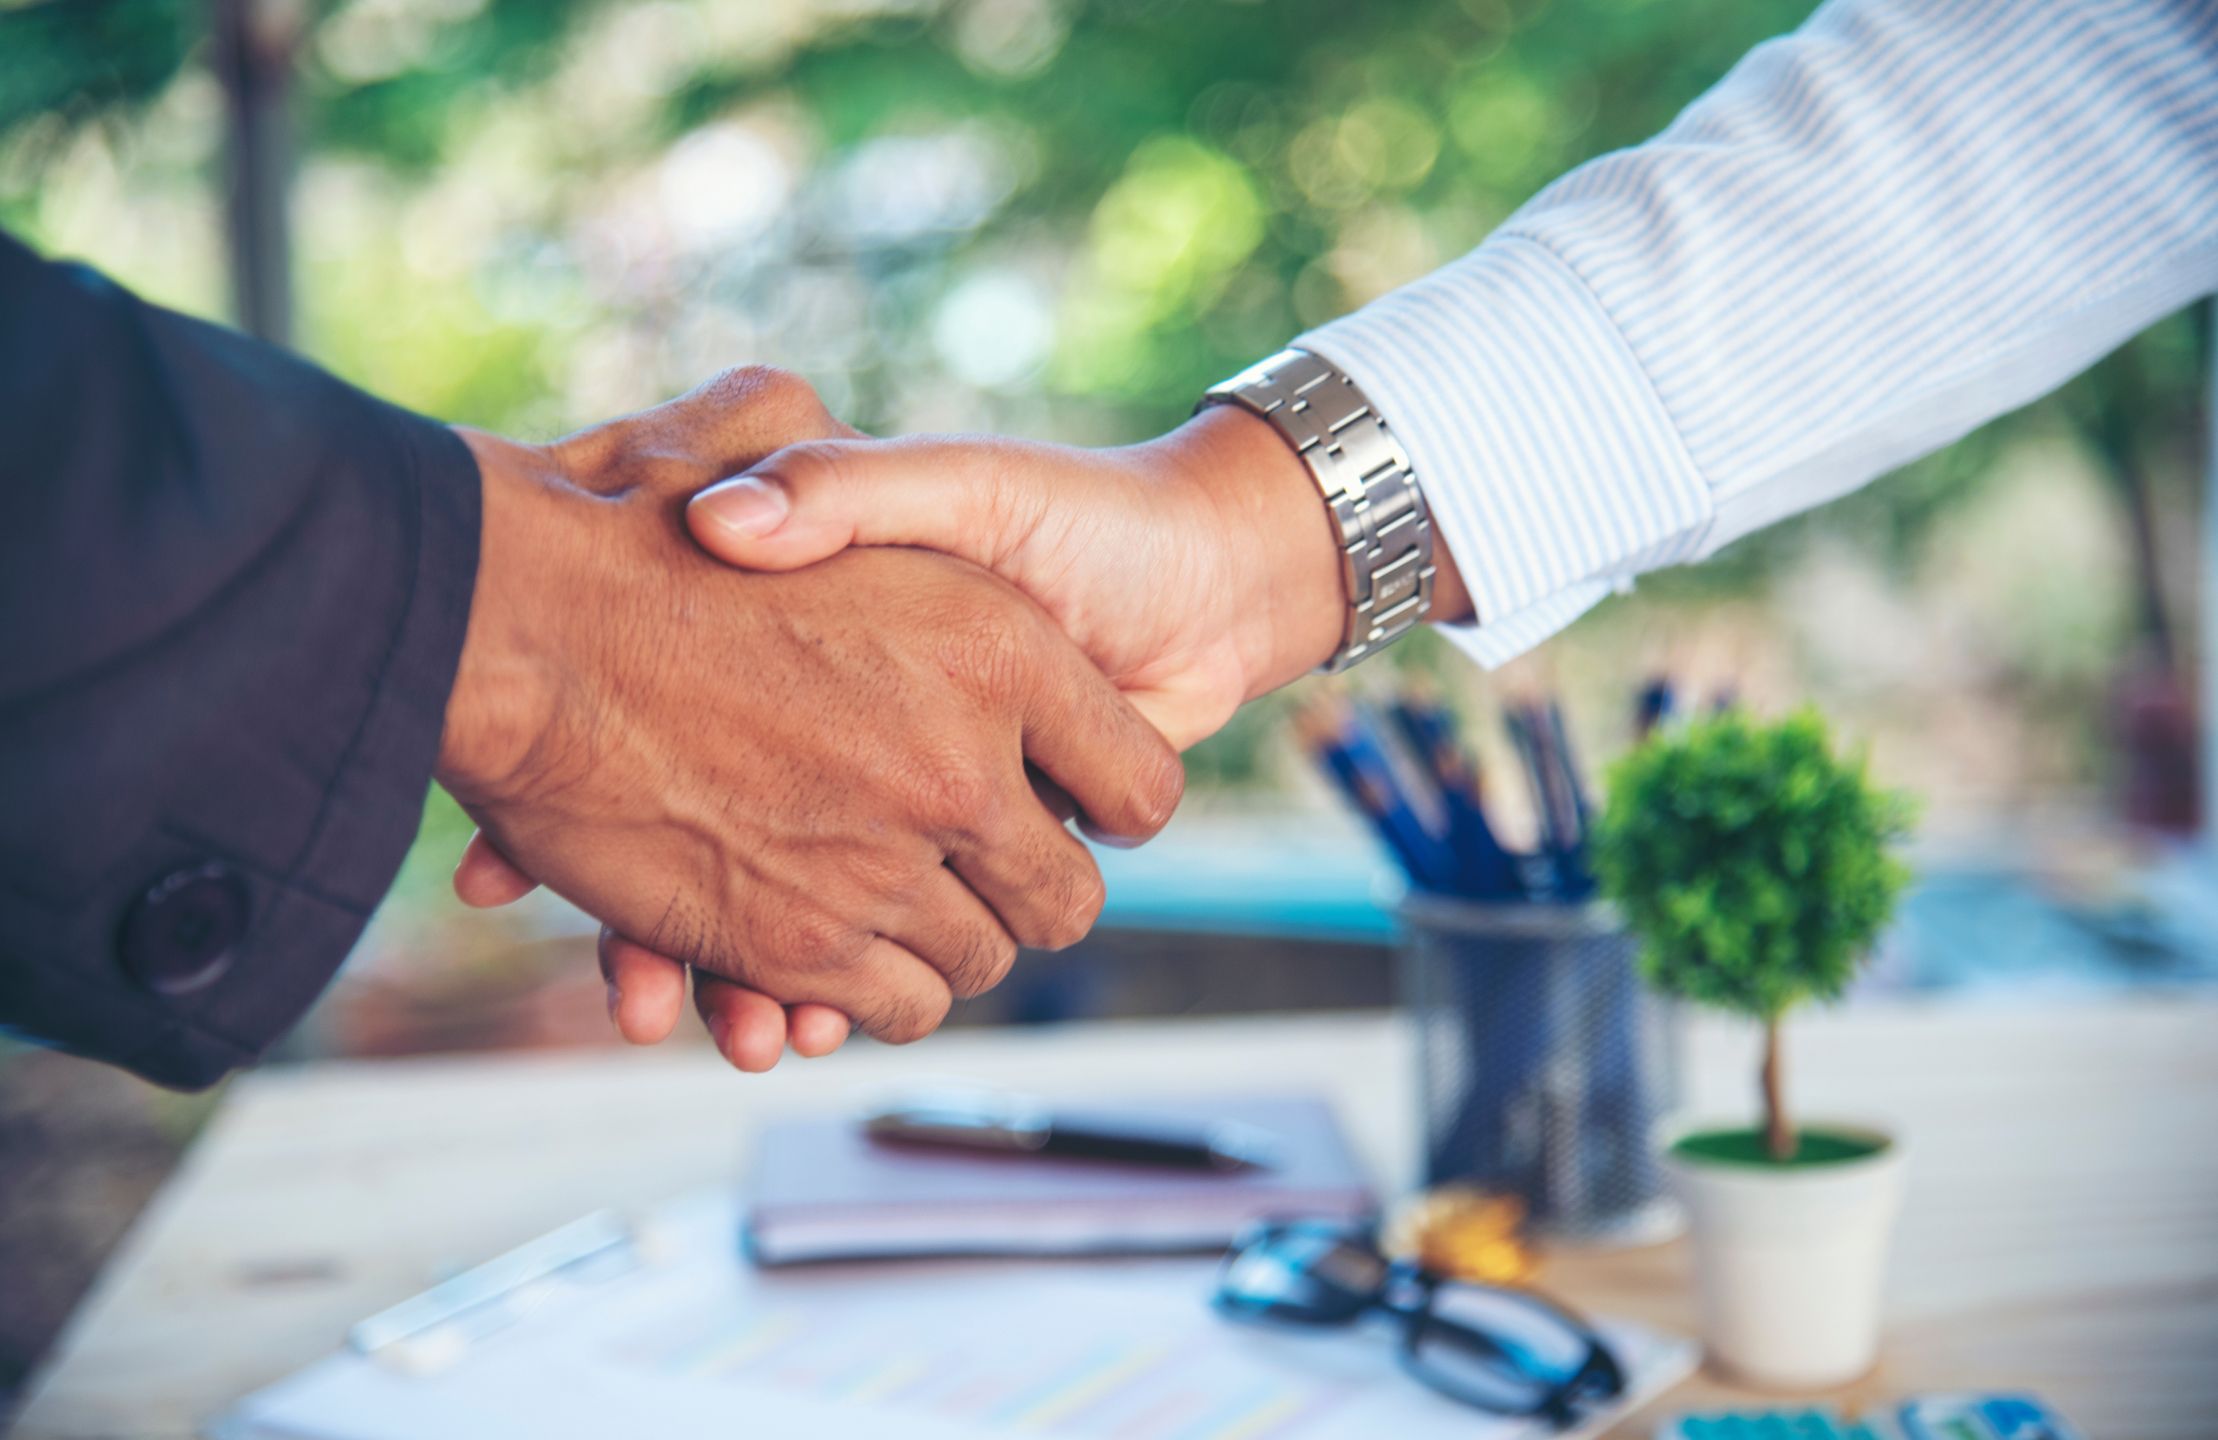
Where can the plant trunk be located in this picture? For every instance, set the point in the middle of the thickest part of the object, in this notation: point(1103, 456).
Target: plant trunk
point(1778, 1134)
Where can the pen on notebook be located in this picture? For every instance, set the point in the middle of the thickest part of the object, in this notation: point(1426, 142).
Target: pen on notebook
point(1018, 1128)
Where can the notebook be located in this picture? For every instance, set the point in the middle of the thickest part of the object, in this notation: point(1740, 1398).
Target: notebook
point(823, 1190)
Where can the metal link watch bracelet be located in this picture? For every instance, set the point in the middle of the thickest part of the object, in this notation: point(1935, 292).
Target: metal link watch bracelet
point(1365, 477)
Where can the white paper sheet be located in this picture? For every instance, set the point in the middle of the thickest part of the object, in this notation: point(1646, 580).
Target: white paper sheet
point(701, 1343)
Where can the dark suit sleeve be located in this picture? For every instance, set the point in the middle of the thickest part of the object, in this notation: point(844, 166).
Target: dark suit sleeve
point(233, 593)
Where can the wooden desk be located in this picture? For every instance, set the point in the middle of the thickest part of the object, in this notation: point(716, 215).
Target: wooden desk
point(2061, 1232)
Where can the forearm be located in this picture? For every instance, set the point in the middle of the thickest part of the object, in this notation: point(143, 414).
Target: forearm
point(236, 591)
point(1871, 237)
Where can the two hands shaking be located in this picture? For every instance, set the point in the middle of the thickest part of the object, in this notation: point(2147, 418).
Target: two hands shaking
point(806, 713)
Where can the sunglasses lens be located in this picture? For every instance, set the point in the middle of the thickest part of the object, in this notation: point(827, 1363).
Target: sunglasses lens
point(1301, 1272)
point(1497, 1348)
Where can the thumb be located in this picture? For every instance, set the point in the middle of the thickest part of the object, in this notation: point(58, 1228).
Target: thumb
point(486, 878)
point(961, 497)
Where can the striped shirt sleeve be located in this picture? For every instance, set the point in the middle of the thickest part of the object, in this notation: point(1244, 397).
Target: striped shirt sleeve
point(1872, 236)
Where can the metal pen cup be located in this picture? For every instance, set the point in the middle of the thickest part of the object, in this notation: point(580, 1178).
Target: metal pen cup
point(1546, 1064)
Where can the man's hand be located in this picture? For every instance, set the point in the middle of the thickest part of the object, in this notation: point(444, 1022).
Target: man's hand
point(1199, 570)
point(814, 784)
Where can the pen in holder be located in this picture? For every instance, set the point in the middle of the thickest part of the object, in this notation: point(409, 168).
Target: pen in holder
point(1545, 1063)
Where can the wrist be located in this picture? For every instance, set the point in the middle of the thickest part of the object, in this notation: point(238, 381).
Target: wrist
point(1284, 603)
point(1286, 606)
point(504, 689)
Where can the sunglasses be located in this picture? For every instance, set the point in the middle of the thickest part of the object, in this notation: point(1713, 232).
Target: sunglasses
point(1509, 1352)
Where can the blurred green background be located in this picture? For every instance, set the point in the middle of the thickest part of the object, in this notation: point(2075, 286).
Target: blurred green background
point(1064, 219)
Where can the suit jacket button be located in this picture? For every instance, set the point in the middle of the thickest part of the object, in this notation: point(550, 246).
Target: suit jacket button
point(182, 933)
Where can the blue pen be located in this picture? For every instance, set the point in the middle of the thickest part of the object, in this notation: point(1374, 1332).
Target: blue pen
point(1541, 870)
point(1363, 777)
point(1411, 793)
point(1576, 882)
point(1657, 704)
point(1567, 772)
point(1485, 870)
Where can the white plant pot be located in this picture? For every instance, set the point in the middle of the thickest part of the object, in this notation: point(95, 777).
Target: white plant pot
point(1790, 1262)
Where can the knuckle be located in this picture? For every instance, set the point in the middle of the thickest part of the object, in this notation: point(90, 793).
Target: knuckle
point(766, 385)
point(960, 799)
point(1078, 897)
point(757, 408)
point(814, 941)
point(911, 1018)
point(986, 958)
point(984, 647)
point(879, 874)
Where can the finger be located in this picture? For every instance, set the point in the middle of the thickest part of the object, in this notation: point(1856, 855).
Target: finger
point(650, 1006)
point(896, 997)
point(722, 426)
point(739, 416)
point(951, 929)
point(964, 497)
point(1085, 737)
point(486, 878)
point(646, 991)
point(882, 987)
point(1063, 808)
point(748, 1026)
point(1053, 796)
point(815, 1030)
point(1042, 885)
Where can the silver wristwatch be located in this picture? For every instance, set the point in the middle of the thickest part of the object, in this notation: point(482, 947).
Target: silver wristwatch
point(1379, 512)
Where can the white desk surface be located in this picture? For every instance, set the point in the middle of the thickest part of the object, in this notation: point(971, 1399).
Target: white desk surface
point(2060, 1235)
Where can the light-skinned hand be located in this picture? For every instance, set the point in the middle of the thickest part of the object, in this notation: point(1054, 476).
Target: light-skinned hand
point(1200, 570)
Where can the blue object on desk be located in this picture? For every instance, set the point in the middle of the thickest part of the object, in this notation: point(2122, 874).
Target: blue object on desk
point(1771, 1425)
point(1931, 1417)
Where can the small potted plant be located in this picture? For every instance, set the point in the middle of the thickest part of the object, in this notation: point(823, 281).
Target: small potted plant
point(1756, 866)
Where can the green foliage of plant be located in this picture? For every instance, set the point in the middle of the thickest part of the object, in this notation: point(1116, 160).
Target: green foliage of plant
point(1754, 863)
point(1756, 866)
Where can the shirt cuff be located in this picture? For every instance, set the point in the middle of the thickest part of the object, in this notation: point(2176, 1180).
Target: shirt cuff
point(1548, 460)
point(1498, 642)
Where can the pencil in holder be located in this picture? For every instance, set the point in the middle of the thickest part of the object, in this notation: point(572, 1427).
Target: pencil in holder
point(1546, 1065)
